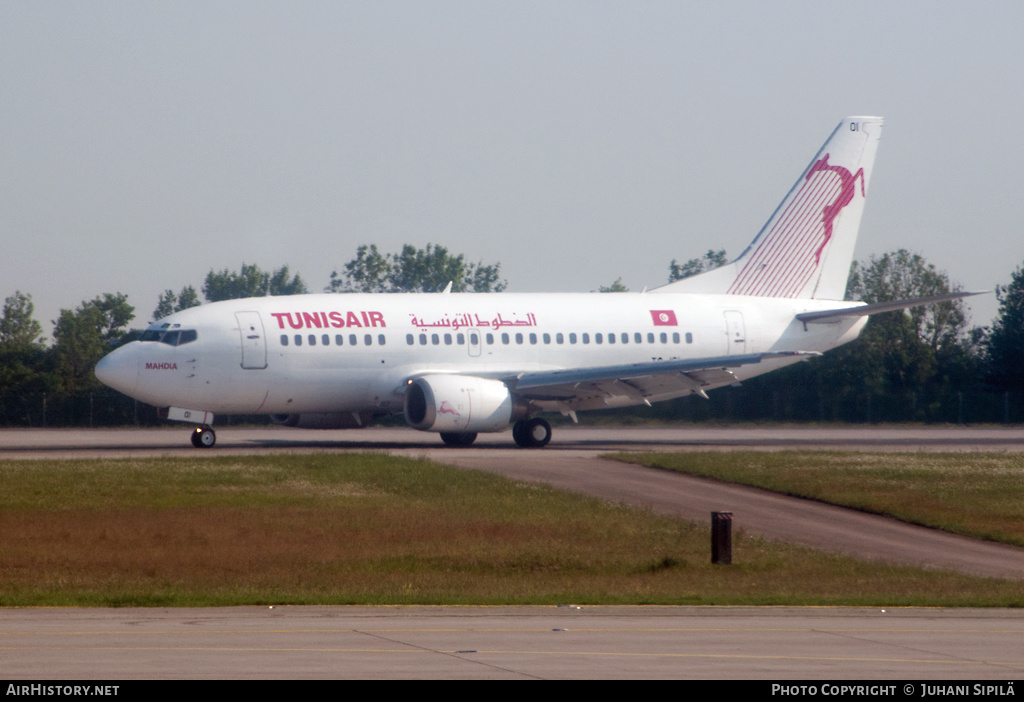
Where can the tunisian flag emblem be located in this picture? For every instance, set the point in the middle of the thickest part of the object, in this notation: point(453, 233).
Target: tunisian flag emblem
point(664, 318)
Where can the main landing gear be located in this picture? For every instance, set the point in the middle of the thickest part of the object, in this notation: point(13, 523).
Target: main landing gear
point(203, 437)
point(532, 433)
point(528, 433)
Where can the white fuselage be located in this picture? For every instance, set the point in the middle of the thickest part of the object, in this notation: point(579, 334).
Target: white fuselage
point(355, 352)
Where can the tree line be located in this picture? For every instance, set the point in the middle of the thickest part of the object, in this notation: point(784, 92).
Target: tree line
point(925, 364)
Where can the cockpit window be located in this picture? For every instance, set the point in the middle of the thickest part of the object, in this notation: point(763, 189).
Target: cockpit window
point(175, 337)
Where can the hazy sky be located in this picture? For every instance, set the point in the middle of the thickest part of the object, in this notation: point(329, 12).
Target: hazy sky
point(143, 144)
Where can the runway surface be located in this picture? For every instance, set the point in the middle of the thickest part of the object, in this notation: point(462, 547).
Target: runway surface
point(82, 443)
point(826, 644)
point(648, 642)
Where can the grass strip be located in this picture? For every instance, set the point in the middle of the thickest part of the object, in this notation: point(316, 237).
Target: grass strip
point(378, 529)
point(974, 494)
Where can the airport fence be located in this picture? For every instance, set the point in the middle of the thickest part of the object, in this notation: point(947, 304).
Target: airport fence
point(99, 408)
point(750, 403)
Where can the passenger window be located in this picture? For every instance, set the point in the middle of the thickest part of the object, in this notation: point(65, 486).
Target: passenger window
point(447, 339)
point(435, 339)
point(474, 339)
point(689, 338)
point(339, 339)
point(664, 338)
point(368, 338)
point(408, 339)
point(572, 338)
point(352, 341)
point(586, 338)
point(598, 338)
point(559, 339)
point(325, 340)
point(312, 339)
point(284, 340)
point(460, 339)
point(298, 339)
point(533, 338)
point(380, 339)
point(519, 337)
point(504, 337)
point(490, 339)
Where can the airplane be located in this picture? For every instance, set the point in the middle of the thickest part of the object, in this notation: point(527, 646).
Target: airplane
point(460, 364)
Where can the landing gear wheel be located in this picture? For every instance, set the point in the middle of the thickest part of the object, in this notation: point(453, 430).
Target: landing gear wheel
point(517, 433)
point(454, 439)
point(532, 433)
point(203, 437)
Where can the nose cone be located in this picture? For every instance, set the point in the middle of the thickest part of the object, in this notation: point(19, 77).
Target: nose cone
point(119, 369)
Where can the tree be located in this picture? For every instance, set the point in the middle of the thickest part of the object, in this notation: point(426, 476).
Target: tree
point(1005, 344)
point(83, 336)
point(712, 259)
point(426, 270)
point(250, 281)
point(367, 273)
point(485, 279)
point(906, 365)
point(25, 363)
point(898, 275)
point(168, 303)
point(615, 287)
point(19, 331)
point(414, 270)
point(282, 284)
point(913, 347)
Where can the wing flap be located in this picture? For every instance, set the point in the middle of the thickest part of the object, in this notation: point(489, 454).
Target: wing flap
point(635, 382)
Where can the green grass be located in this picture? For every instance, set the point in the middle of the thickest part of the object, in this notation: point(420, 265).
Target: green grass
point(980, 495)
point(377, 529)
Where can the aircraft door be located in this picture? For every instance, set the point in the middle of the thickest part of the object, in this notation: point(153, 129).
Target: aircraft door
point(735, 332)
point(254, 347)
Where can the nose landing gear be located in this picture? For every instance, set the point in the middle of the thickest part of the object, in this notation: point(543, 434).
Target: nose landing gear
point(203, 437)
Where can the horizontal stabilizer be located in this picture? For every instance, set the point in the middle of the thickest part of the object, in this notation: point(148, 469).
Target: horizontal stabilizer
point(831, 316)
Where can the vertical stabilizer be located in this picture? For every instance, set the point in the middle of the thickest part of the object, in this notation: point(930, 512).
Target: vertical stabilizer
point(806, 247)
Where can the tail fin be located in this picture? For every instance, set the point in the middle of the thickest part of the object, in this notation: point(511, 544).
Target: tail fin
point(806, 247)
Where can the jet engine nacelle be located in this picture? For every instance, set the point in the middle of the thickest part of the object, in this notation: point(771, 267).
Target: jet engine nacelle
point(321, 420)
point(460, 404)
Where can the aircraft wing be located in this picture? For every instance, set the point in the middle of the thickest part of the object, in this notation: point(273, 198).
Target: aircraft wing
point(636, 381)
